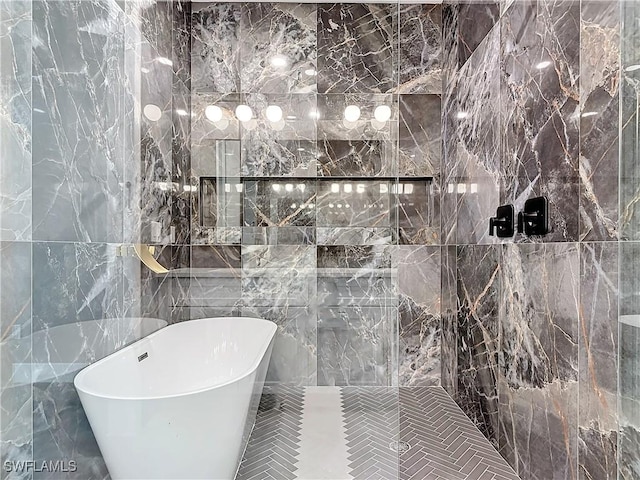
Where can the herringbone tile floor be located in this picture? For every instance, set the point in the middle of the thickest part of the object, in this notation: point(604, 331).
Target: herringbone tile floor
point(443, 444)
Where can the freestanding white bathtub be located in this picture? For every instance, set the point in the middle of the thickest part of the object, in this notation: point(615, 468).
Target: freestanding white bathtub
point(180, 403)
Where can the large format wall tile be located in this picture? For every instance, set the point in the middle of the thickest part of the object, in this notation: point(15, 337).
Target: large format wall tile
point(15, 121)
point(278, 47)
point(539, 356)
point(420, 48)
point(599, 136)
point(478, 289)
point(418, 285)
point(629, 377)
point(473, 138)
point(215, 47)
point(539, 102)
point(356, 52)
point(279, 283)
point(357, 312)
point(78, 83)
point(15, 351)
point(598, 361)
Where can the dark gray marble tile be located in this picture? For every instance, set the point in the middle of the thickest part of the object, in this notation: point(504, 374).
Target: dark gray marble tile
point(215, 47)
point(418, 204)
point(448, 312)
point(420, 332)
point(420, 137)
point(629, 95)
point(629, 441)
point(450, 40)
point(279, 235)
point(336, 123)
point(205, 131)
point(540, 95)
point(538, 381)
point(354, 158)
point(356, 52)
point(357, 315)
point(475, 21)
point(279, 283)
point(420, 48)
point(598, 365)
point(286, 147)
point(181, 30)
point(278, 48)
point(478, 328)
point(156, 24)
point(180, 226)
point(15, 120)
point(356, 236)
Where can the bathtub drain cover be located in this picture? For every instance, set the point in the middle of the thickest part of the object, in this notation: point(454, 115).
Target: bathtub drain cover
point(400, 447)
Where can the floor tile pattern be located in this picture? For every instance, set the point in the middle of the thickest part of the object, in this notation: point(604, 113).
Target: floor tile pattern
point(371, 424)
point(275, 442)
point(443, 443)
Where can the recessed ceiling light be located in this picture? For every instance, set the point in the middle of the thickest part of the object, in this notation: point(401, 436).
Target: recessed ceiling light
point(543, 65)
point(213, 113)
point(632, 68)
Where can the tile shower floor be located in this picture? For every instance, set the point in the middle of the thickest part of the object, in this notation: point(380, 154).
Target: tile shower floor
point(342, 433)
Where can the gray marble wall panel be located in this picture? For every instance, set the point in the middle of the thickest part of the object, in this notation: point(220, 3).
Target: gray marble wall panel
point(629, 346)
point(278, 48)
point(15, 349)
point(539, 359)
point(15, 120)
point(599, 105)
point(279, 188)
point(478, 330)
point(357, 311)
point(418, 286)
point(540, 113)
point(279, 283)
point(78, 80)
point(72, 282)
point(598, 361)
point(472, 170)
point(449, 314)
point(356, 52)
point(215, 47)
point(420, 49)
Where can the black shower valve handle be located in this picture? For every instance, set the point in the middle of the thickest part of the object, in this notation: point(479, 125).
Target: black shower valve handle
point(502, 223)
point(534, 219)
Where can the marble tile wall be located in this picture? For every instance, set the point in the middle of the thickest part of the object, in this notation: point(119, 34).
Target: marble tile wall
point(332, 245)
point(531, 108)
point(74, 72)
point(16, 394)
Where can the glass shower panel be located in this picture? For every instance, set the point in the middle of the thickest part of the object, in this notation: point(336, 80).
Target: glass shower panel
point(629, 319)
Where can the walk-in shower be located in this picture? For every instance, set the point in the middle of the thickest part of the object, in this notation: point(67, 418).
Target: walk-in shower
point(331, 168)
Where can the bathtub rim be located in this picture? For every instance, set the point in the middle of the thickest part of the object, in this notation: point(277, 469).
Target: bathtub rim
point(265, 347)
